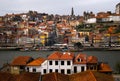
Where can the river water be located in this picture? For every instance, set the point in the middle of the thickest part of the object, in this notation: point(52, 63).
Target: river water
point(111, 57)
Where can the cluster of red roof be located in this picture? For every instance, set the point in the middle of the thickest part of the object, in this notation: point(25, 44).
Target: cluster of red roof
point(70, 56)
point(83, 76)
point(79, 59)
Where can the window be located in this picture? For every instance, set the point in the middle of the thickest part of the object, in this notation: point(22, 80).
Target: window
point(27, 69)
point(50, 70)
point(75, 69)
point(56, 62)
point(21, 67)
point(34, 70)
point(44, 70)
point(79, 60)
point(62, 62)
point(68, 71)
point(50, 62)
point(56, 70)
point(68, 62)
point(95, 68)
point(91, 67)
point(82, 68)
point(62, 71)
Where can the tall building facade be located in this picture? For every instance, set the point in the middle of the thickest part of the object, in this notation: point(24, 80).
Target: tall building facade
point(117, 11)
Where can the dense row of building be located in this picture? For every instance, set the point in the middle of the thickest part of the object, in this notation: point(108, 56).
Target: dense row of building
point(59, 62)
point(41, 28)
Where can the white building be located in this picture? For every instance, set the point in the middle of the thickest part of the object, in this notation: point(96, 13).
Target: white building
point(115, 18)
point(117, 8)
point(91, 20)
point(64, 63)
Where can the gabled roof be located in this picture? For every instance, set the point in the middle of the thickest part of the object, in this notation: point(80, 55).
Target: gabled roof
point(36, 62)
point(92, 59)
point(55, 77)
point(67, 56)
point(61, 56)
point(21, 60)
point(105, 68)
point(55, 56)
point(21, 77)
point(6, 76)
point(90, 76)
point(29, 77)
point(82, 57)
point(82, 76)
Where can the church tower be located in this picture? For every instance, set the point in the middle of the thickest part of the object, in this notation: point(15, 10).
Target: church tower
point(72, 12)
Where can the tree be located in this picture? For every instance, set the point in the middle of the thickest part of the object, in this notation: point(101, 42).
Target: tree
point(78, 46)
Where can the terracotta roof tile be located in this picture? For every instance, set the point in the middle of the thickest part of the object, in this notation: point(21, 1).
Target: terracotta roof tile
point(67, 56)
point(55, 77)
point(82, 57)
point(92, 59)
point(21, 60)
point(21, 77)
point(29, 77)
point(90, 76)
point(36, 62)
point(105, 68)
point(82, 76)
point(55, 56)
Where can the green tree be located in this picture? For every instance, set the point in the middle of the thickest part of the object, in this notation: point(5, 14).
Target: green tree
point(78, 46)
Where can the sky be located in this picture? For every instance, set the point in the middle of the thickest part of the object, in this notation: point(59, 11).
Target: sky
point(61, 7)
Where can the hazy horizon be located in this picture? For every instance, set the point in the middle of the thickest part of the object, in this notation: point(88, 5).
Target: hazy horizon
point(61, 7)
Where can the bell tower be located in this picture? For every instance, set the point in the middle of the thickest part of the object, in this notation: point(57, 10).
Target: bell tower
point(72, 12)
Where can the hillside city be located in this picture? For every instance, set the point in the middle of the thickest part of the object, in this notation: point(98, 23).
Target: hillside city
point(41, 29)
point(62, 34)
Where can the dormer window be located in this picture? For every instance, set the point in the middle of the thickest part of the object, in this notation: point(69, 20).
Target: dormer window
point(79, 60)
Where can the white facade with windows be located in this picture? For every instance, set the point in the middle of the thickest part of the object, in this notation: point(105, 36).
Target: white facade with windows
point(59, 66)
point(65, 66)
point(79, 68)
point(115, 18)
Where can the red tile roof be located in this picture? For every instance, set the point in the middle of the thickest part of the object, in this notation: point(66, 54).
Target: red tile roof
point(67, 56)
point(55, 56)
point(92, 59)
point(55, 77)
point(82, 57)
point(21, 77)
point(21, 60)
point(61, 56)
point(105, 68)
point(82, 76)
point(90, 76)
point(36, 62)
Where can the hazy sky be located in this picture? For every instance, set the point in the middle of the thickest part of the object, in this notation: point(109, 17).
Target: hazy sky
point(62, 7)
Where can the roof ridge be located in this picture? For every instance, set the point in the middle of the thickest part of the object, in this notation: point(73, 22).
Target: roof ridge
point(93, 75)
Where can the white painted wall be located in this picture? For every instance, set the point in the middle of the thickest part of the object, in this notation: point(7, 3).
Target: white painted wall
point(79, 67)
point(114, 18)
point(45, 65)
point(65, 66)
point(91, 20)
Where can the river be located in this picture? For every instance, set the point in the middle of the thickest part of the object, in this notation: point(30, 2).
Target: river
point(111, 57)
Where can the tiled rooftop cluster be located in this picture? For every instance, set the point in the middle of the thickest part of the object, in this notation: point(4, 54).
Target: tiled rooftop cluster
point(60, 62)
